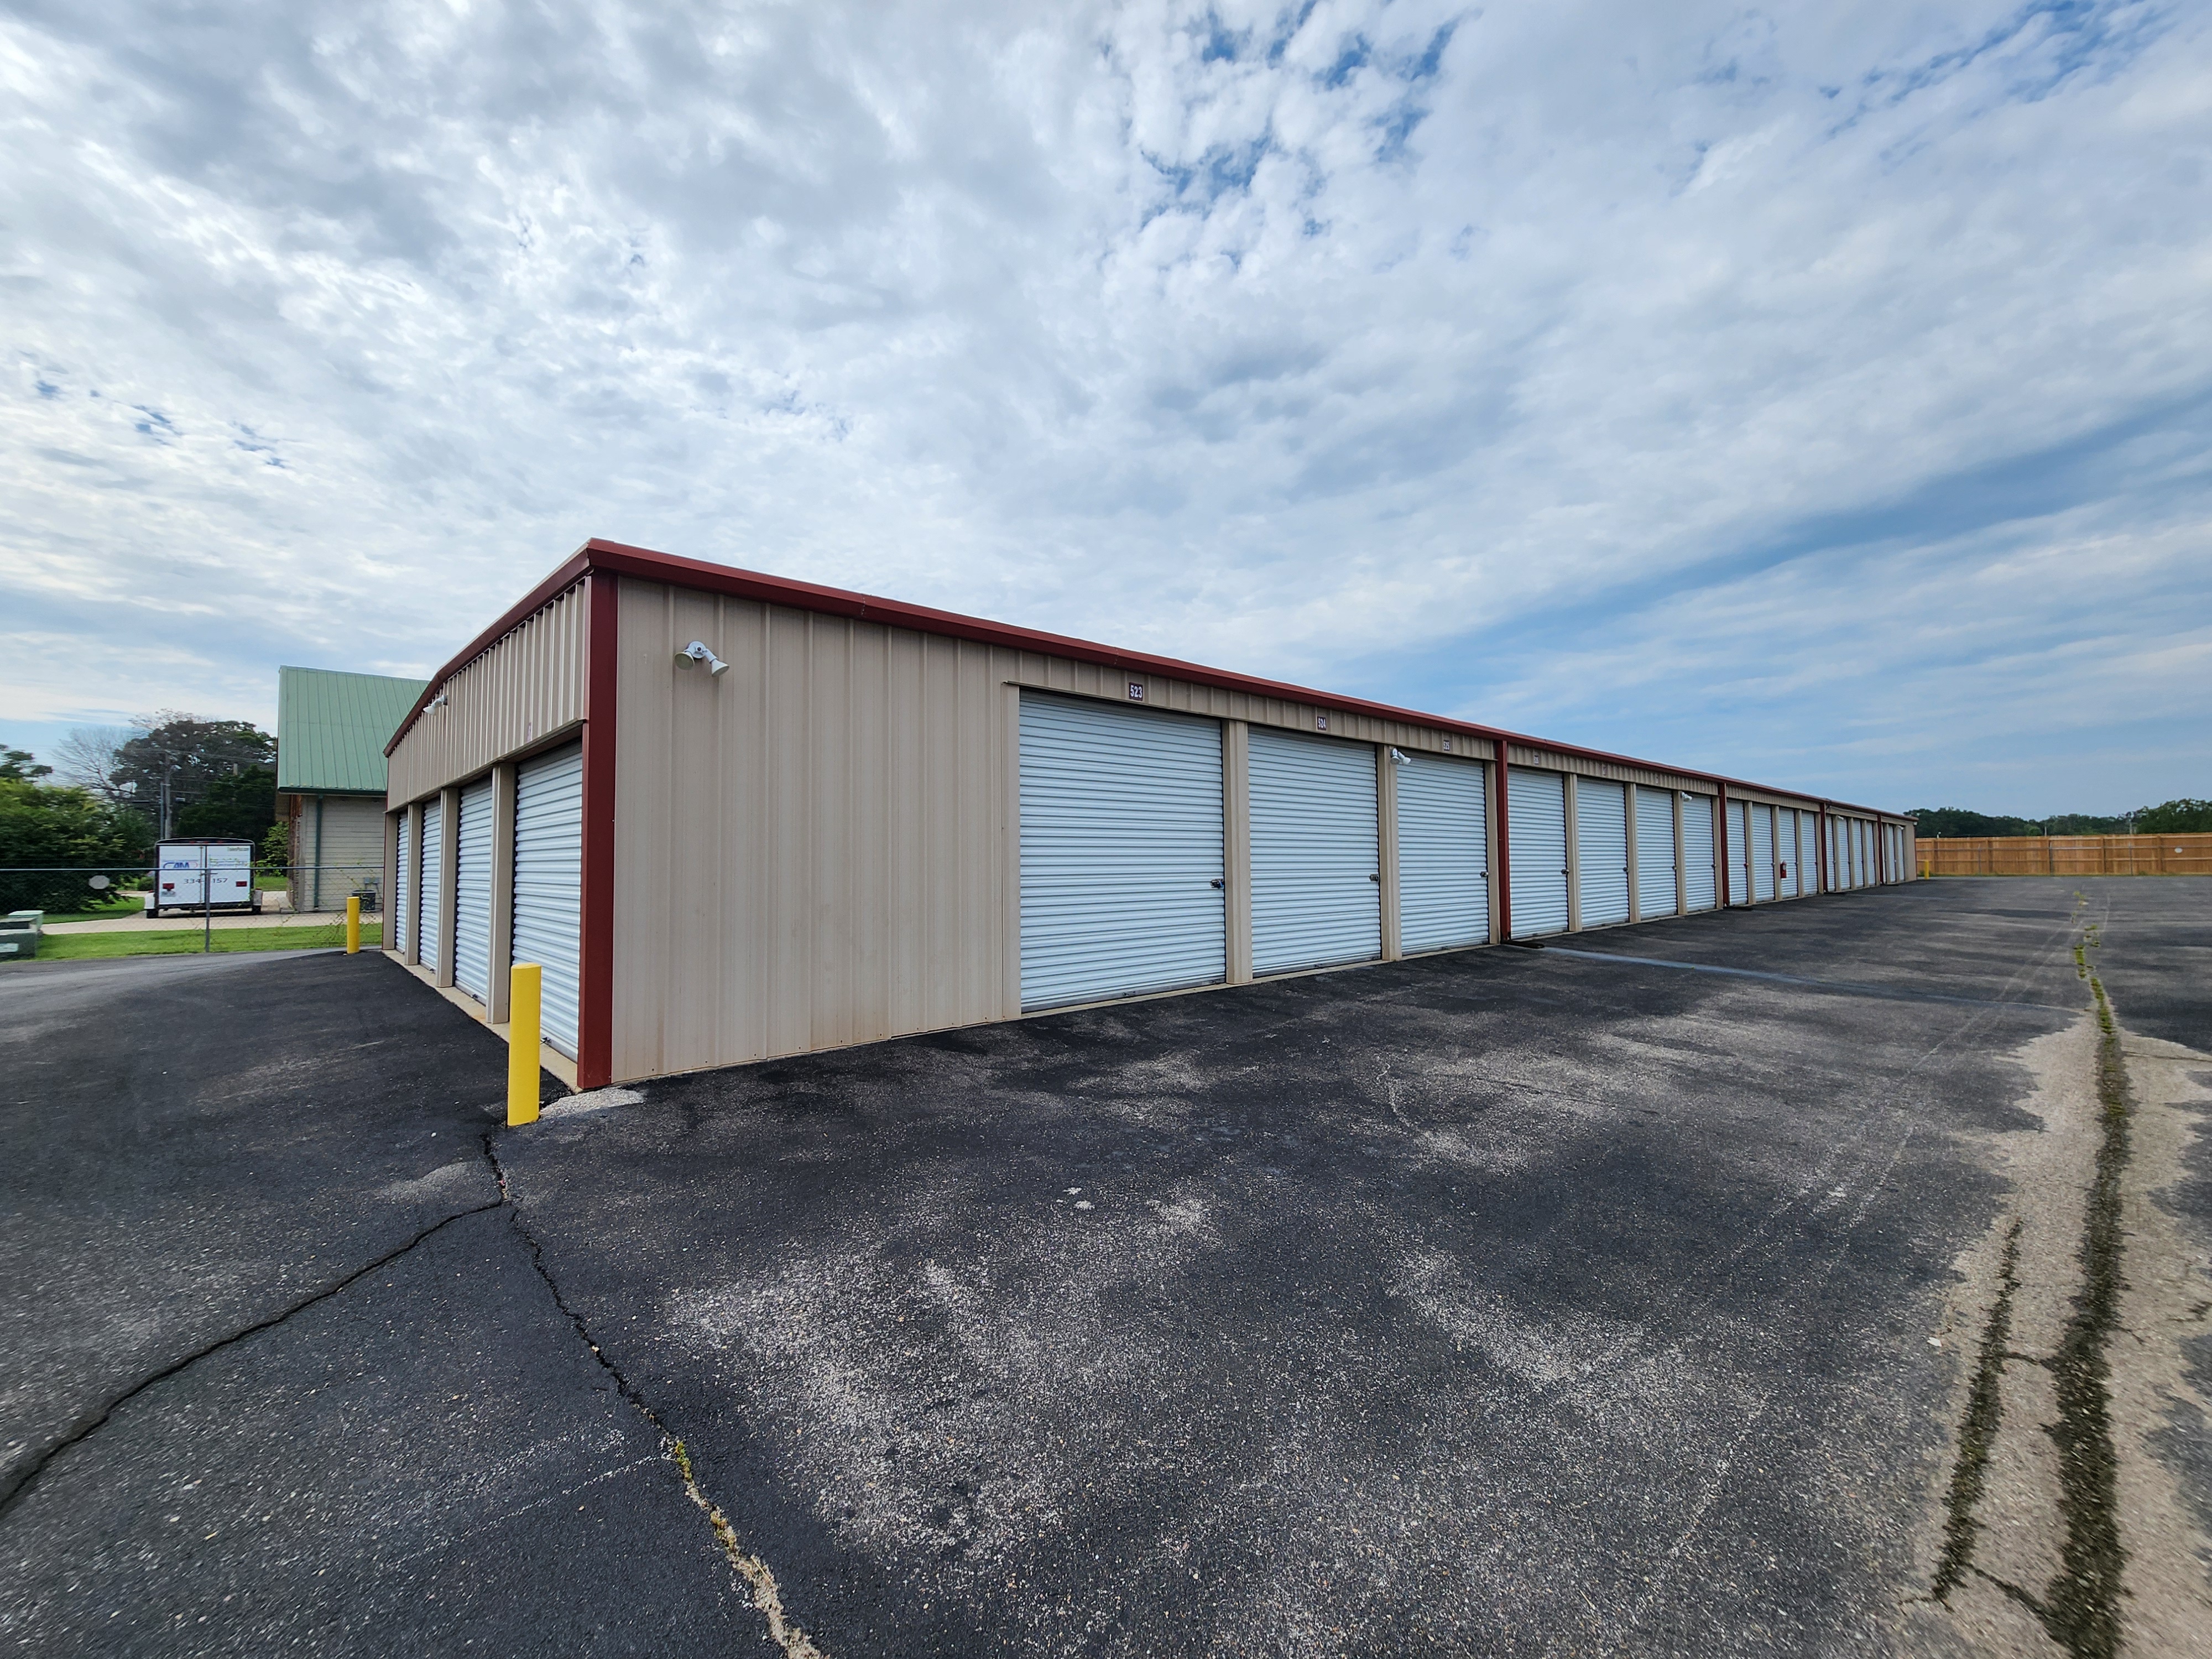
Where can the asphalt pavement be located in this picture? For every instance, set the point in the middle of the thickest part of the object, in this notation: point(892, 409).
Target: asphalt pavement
point(1598, 1298)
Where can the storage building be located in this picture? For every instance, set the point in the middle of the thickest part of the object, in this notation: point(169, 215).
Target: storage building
point(331, 729)
point(735, 816)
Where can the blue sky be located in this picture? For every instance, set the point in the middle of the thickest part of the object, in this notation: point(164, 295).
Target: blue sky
point(1815, 394)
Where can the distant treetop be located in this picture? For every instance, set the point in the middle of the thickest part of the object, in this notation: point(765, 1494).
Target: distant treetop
point(2170, 818)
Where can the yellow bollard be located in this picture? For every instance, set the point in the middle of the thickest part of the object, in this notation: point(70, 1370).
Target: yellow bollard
point(524, 982)
point(353, 924)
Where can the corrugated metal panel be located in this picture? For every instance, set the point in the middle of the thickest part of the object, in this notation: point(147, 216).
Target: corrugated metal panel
point(1601, 851)
point(472, 892)
point(521, 691)
point(820, 846)
point(1536, 806)
point(402, 897)
point(1858, 853)
point(331, 729)
point(548, 883)
point(434, 946)
point(1698, 875)
point(1762, 852)
point(1785, 850)
point(1443, 854)
point(1655, 852)
point(1315, 894)
point(1121, 853)
point(1739, 853)
point(1548, 760)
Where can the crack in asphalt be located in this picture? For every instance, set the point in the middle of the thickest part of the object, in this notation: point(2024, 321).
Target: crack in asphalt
point(1978, 1431)
point(19, 1480)
point(2080, 1608)
point(767, 1597)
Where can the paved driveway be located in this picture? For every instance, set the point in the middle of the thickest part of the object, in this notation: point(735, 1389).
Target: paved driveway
point(1511, 1301)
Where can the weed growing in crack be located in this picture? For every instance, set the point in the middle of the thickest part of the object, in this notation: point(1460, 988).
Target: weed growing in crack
point(2081, 1608)
point(767, 1599)
point(1977, 1430)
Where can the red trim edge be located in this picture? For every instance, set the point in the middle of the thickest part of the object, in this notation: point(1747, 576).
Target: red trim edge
point(643, 562)
point(595, 968)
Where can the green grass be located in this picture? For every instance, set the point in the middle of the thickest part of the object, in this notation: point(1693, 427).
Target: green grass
point(320, 936)
point(113, 910)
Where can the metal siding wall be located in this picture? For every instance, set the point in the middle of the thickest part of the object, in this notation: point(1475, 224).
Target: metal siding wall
point(1655, 877)
point(1536, 803)
point(549, 882)
point(1316, 898)
point(1699, 874)
point(472, 893)
point(403, 892)
point(1120, 852)
point(819, 848)
point(353, 846)
point(1601, 847)
point(1762, 852)
point(432, 951)
point(520, 691)
point(1443, 854)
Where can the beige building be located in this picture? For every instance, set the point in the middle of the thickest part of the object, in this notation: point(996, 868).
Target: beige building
point(735, 816)
point(331, 729)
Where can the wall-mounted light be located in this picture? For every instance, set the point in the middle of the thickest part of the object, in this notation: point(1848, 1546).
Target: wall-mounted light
point(696, 653)
point(1399, 756)
point(438, 701)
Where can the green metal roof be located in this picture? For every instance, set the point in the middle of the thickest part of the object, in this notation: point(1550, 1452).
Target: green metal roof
point(331, 729)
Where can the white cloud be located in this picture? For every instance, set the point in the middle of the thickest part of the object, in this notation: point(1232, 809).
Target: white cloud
point(1320, 344)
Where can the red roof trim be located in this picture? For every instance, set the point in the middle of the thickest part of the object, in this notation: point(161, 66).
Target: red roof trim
point(644, 564)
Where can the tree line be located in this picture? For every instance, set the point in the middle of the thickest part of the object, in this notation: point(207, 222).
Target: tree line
point(111, 792)
point(2172, 818)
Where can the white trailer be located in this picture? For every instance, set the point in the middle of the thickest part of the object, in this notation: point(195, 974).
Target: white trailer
point(197, 876)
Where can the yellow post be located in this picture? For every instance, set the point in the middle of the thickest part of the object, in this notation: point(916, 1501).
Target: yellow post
point(353, 924)
point(524, 982)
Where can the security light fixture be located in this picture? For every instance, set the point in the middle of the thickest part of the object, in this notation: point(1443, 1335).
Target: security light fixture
point(1398, 755)
point(436, 703)
point(696, 653)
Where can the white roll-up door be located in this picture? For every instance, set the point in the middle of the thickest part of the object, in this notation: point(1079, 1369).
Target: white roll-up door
point(1785, 850)
point(548, 885)
point(1699, 878)
point(1655, 852)
point(1762, 853)
point(1316, 895)
point(472, 892)
point(1808, 867)
point(1739, 854)
point(1860, 850)
point(1537, 808)
point(1443, 854)
point(402, 896)
point(1122, 852)
point(1839, 876)
point(433, 852)
point(1601, 851)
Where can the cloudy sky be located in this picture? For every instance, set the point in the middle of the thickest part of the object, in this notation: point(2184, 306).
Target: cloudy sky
point(1819, 394)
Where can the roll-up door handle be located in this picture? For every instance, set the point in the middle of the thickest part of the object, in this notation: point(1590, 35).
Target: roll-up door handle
point(1217, 882)
point(1377, 875)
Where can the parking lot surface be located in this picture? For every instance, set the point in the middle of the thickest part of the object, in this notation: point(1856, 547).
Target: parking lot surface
point(1617, 1296)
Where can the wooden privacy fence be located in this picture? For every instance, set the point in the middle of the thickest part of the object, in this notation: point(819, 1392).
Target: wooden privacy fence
point(2067, 855)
